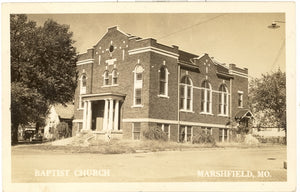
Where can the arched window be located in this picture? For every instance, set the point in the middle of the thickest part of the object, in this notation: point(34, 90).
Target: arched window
point(138, 85)
point(206, 97)
point(223, 100)
point(105, 78)
point(186, 94)
point(83, 84)
point(114, 77)
point(163, 81)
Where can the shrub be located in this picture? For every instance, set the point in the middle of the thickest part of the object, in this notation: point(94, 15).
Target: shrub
point(203, 137)
point(242, 130)
point(237, 135)
point(62, 130)
point(155, 134)
point(273, 140)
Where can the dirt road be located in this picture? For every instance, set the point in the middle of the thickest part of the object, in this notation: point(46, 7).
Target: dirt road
point(252, 164)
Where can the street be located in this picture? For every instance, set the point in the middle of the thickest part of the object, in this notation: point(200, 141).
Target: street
point(263, 164)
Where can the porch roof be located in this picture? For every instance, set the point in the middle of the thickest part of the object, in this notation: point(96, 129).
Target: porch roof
point(243, 113)
point(102, 96)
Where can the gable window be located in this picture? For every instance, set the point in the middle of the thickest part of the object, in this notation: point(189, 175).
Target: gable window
point(138, 85)
point(105, 78)
point(206, 97)
point(163, 81)
point(114, 77)
point(223, 100)
point(186, 94)
point(240, 99)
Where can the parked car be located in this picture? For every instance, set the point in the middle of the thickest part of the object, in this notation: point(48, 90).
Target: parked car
point(37, 137)
point(29, 134)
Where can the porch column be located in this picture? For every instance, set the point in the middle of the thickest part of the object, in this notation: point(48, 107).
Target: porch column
point(105, 115)
point(185, 134)
point(84, 115)
point(116, 117)
point(223, 131)
point(89, 115)
point(110, 116)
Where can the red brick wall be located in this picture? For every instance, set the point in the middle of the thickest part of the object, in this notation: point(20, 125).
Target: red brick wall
point(215, 83)
point(161, 108)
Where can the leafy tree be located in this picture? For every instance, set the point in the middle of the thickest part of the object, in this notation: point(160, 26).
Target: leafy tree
point(267, 97)
point(43, 69)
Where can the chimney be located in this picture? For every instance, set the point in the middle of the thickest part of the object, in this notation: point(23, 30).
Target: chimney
point(112, 28)
point(231, 66)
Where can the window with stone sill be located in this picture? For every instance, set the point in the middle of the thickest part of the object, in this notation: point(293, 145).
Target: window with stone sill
point(186, 94)
point(138, 84)
point(206, 97)
point(136, 131)
point(114, 77)
point(105, 78)
point(165, 128)
point(163, 81)
point(83, 82)
point(223, 100)
point(185, 133)
point(240, 99)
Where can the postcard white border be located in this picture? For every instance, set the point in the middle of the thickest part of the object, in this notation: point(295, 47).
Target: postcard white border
point(182, 7)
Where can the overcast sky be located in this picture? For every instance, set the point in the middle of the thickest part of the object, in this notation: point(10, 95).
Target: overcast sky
point(243, 39)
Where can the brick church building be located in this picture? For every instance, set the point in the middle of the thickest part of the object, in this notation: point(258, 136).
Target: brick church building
point(128, 84)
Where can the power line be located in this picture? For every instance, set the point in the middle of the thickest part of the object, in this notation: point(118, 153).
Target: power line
point(278, 53)
point(186, 28)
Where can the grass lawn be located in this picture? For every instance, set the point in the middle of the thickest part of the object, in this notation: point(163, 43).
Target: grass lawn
point(134, 146)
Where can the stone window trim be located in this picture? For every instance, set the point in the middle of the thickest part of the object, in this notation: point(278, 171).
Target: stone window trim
point(205, 113)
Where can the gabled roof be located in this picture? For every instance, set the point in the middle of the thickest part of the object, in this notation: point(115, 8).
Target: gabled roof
point(243, 113)
point(65, 112)
point(186, 57)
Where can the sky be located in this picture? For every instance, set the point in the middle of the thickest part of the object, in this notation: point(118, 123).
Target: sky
point(240, 38)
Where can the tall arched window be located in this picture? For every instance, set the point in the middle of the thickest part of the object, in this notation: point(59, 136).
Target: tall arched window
point(114, 77)
point(186, 94)
point(138, 85)
point(163, 81)
point(223, 100)
point(206, 97)
point(83, 84)
point(105, 78)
